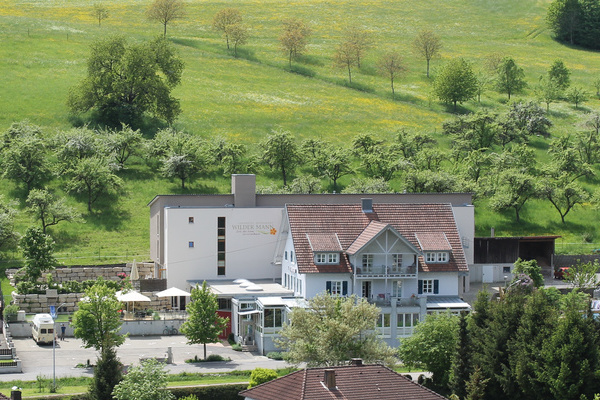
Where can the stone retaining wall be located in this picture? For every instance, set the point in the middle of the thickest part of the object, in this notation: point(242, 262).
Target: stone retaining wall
point(84, 273)
point(40, 303)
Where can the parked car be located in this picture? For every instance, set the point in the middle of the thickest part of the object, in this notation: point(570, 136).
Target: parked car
point(560, 273)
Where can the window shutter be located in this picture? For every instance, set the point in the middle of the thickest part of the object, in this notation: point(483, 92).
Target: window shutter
point(328, 286)
point(420, 290)
point(436, 286)
point(344, 288)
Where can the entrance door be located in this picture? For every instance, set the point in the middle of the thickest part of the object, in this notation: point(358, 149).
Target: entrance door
point(366, 289)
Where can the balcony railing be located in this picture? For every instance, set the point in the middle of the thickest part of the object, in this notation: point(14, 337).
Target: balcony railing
point(387, 271)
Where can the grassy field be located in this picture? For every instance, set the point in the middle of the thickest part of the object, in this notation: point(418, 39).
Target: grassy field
point(45, 46)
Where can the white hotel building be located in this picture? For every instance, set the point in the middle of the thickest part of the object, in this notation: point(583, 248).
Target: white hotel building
point(264, 253)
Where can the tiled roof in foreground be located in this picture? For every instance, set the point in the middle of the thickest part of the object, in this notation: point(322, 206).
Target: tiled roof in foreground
point(352, 382)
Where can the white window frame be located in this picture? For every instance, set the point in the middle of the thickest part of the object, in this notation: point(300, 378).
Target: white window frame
point(437, 257)
point(327, 258)
point(428, 286)
point(396, 288)
point(367, 261)
point(336, 288)
point(396, 262)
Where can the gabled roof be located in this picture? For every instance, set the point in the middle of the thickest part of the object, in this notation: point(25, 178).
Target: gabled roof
point(433, 241)
point(352, 382)
point(374, 229)
point(369, 233)
point(350, 224)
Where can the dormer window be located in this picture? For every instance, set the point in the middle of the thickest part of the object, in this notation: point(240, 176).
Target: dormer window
point(437, 257)
point(327, 258)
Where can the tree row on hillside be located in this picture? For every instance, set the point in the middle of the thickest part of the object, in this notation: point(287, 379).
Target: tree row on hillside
point(488, 155)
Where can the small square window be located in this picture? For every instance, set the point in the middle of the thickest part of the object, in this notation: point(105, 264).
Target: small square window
point(190, 244)
point(191, 220)
point(506, 270)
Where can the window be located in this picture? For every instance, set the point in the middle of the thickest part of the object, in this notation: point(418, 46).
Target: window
point(327, 258)
point(285, 254)
point(221, 246)
point(291, 256)
point(337, 288)
point(432, 257)
point(383, 321)
point(397, 289)
point(367, 261)
point(429, 286)
point(190, 220)
point(224, 304)
point(396, 262)
point(191, 245)
point(506, 270)
point(273, 317)
point(407, 320)
point(442, 257)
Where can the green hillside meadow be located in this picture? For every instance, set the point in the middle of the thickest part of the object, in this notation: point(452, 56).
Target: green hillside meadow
point(44, 46)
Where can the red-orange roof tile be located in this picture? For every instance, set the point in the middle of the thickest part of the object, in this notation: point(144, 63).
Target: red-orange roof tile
point(434, 241)
point(363, 382)
point(324, 242)
point(349, 222)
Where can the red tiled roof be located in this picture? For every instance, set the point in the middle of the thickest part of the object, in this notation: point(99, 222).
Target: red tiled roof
point(362, 382)
point(435, 241)
point(324, 242)
point(349, 222)
point(371, 231)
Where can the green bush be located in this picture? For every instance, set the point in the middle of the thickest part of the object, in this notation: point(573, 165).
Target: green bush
point(261, 375)
point(231, 338)
point(190, 397)
point(10, 312)
point(236, 347)
point(212, 357)
point(275, 355)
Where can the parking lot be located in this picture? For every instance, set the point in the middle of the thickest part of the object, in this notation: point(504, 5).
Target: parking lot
point(38, 360)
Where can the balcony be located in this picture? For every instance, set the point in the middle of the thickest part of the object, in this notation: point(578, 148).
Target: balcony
point(387, 271)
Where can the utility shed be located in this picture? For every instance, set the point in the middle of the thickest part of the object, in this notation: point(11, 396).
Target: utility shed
point(505, 250)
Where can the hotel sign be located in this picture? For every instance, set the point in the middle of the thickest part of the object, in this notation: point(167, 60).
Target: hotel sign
point(254, 228)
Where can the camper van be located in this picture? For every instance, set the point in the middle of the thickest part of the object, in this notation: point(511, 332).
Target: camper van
point(42, 329)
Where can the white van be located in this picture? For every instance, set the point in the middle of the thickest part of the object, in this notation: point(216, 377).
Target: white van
point(42, 329)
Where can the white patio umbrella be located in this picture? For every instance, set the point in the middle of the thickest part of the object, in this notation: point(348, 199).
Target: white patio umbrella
point(131, 297)
point(173, 292)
